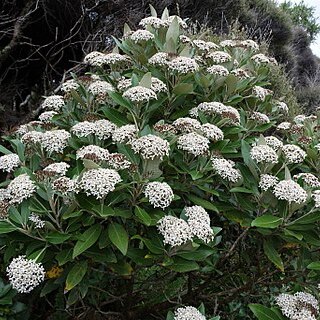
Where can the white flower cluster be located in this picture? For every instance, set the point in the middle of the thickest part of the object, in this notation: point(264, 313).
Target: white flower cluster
point(154, 22)
point(159, 194)
point(249, 44)
point(316, 198)
point(300, 118)
point(47, 116)
point(212, 132)
point(9, 162)
point(205, 45)
point(260, 58)
point(225, 169)
point(92, 152)
point(118, 161)
point(282, 106)
point(300, 306)
point(218, 70)
point(151, 147)
point(24, 274)
point(99, 182)
point(124, 84)
point(193, 143)
point(32, 137)
point(290, 191)
point(267, 181)
point(259, 117)
point(293, 153)
point(264, 153)
point(184, 39)
point(157, 85)
point(102, 129)
point(240, 73)
point(199, 223)
point(38, 223)
point(183, 65)
point(186, 125)
point(69, 85)
point(100, 88)
point(94, 59)
point(273, 142)
point(261, 93)
point(141, 36)
point(181, 23)
point(228, 43)
point(160, 59)
point(65, 185)
point(54, 103)
point(308, 178)
point(55, 140)
point(284, 125)
point(124, 133)
point(175, 231)
point(58, 168)
point(188, 313)
point(139, 94)
point(219, 57)
point(20, 188)
point(99, 59)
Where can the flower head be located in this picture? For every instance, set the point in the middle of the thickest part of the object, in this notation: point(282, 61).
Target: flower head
point(264, 153)
point(193, 143)
point(290, 191)
point(183, 65)
point(37, 222)
point(186, 125)
point(159, 194)
point(273, 143)
point(141, 36)
point(70, 85)
point(154, 22)
point(308, 178)
point(225, 169)
point(260, 118)
point(219, 57)
point(261, 93)
point(58, 168)
point(188, 313)
point(267, 181)
point(160, 59)
point(47, 116)
point(124, 134)
point(54, 103)
point(55, 141)
point(293, 153)
point(9, 162)
point(212, 132)
point(92, 152)
point(139, 94)
point(218, 70)
point(21, 188)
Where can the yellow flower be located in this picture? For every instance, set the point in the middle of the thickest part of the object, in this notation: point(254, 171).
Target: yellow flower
point(54, 272)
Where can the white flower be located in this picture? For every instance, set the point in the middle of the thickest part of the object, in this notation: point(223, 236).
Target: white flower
point(55, 141)
point(219, 57)
point(199, 223)
point(99, 182)
point(188, 313)
point(153, 22)
point(95, 59)
point(181, 23)
point(284, 126)
point(54, 103)
point(141, 36)
point(261, 118)
point(250, 44)
point(228, 43)
point(317, 146)
point(240, 73)
point(184, 39)
point(24, 274)
point(115, 59)
point(290, 191)
point(159, 194)
point(174, 230)
point(264, 153)
point(183, 65)
point(83, 129)
point(261, 93)
point(100, 87)
point(159, 59)
point(139, 94)
point(124, 134)
point(186, 125)
point(32, 137)
point(282, 106)
point(58, 168)
point(308, 179)
point(273, 143)
point(69, 85)
point(267, 181)
point(118, 161)
point(103, 129)
point(21, 188)
point(205, 45)
point(65, 185)
point(193, 143)
point(38, 223)
point(225, 169)
point(157, 85)
point(92, 152)
point(260, 58)
point(293, 153)
point(316, 198)
point(9, 162)
point(150, 147)
point(212, 132)
point(46, 117)
point(299, 118)
point(218, 70)
point(124, 84)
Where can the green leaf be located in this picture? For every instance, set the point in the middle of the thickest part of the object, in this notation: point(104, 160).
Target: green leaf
point(203, 203)
point(183, 88)
point(143, 216)
point(153, 11)
point(181, 265)
point(6, 227)
point(314, 265)
point(89, 164)
point(88, 238)
point(263, 313)
point(196, 255)
point(272, 254)
point(146, 80)
point(4, 150)
point(119, 237)
point(170, 316)
point(241, 190)
point(115, 116)
point(57, 237)
point(173, 31)
point(76, 275)
point(267, 221)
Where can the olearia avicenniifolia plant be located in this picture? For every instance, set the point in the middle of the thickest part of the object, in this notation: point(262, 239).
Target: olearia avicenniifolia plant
point(167, 175)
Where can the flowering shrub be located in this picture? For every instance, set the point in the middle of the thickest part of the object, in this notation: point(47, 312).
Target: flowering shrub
point(170, 172)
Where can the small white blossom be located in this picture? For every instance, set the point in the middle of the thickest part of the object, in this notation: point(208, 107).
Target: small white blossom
point(115, 59)
point(264, 153)
point(139, 94)
point(92, 152)
point(47, 116)
point(157, 85)
point(55, 141)
point(299, 119)
point(317, 146)
point(151, 147)
point(174, 230)
point(273, 143)
point(184, 39)
point(9, 162)
point(154, 22)
point(103, 129)
point(218, 70)
point(159, 194)
point(181, 23)
point(250, 44)
point(183, 65)
point(188, 313)
point(99, 182)
point(261, 93)
point(118, 161)
point(58, 168)
point(38, 223)
point(193, 143)
point(212, 132)
point(267, 181)
point(290, 191)
point(24, 274)
point(124, 84)
point(54, 103)
point(205, 45)
point(316, 198)
point(124, 134)
point(100, 87)
point(282, 107)
point(94, 59)
point(260, 58)
point(70, 85)
point(219, 57)
point(199, 223)
point(284, 126)
point(308, 178)
point(32, 137)
point(240, 73)
point(259, 117)
point(83, 129)
point(160, 59)
point(65, 185)
point(186, 125)
point(141, 36)
point(293, 153)
point(20, 188)
point(225, 169)
point(228, 43)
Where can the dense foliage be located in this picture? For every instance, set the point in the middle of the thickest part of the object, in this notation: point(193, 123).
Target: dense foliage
point(169, 175)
